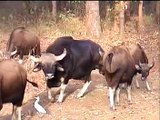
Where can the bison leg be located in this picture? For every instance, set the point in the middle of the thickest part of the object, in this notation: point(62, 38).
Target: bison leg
point(1, 104)
point(117, 95)
point(48, 91)
point(50, 94)
point(147, 85)
point(129, 93)
point(62, 89)
point(83, 90)
point(14, 109)
point(19, 113)
point(111, 97)
point(137, 83)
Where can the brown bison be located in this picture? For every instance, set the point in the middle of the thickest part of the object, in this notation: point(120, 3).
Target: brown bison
point(23, 42)
point(141, 61)
point(119, 66)
point(13, 79)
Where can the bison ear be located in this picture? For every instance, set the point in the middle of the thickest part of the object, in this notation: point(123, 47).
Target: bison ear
point(137, 67)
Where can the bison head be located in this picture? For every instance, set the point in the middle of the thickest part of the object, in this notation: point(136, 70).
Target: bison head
point(144, 69)
point(48, 63)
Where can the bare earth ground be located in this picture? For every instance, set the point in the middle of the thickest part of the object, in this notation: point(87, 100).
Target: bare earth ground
point(94, 105)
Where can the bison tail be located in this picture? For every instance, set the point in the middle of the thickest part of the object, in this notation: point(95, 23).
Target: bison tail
point(33, 83)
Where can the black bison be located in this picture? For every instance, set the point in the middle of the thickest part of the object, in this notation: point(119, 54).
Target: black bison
point(119, 67)
point(141, 61)
point(13, 79)
point(81, 58)
point(23, 42)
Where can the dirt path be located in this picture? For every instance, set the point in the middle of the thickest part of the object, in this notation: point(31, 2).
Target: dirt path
point(95, 105)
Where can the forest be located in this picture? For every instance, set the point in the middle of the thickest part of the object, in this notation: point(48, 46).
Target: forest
point(108, 23)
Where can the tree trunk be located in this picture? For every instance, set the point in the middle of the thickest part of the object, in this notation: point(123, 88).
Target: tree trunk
point(28, 6)
point(158, 12)
point(122, 18)
point(140, 15)
point(93, 18)
point(127, 11)
point(54, 10)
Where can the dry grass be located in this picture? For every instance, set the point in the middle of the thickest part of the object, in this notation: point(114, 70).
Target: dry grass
point(47, 30)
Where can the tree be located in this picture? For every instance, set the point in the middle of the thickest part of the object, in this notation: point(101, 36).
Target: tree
point(127, 11)
point(28, 6)
point(93, 18)
point(140, 15)
point(158, 12)
point(121, 16)
point(54, 10)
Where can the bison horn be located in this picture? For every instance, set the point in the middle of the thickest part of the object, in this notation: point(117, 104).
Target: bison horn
point(38, 60)
point(101, 53)
point(140, 64)
point(13, 53)
point(151, 65)
point(60, 57)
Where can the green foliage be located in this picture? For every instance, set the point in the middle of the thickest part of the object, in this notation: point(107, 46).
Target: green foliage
point(76, 1)
point(148, 19)
point(66, 16)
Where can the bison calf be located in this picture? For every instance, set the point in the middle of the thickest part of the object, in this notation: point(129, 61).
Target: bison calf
point(13, 79)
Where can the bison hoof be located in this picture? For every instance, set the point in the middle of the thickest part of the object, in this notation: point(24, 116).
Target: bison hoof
point(148, 89)
point(138, 87)
point(79, 96)
point(59, 101)
point(20, 61)
point(129, 102)
point(52, 100)
point(112, 108)
point(117, 103)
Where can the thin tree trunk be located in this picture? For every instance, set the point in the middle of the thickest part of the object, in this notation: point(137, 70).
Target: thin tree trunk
point(127, 11)
point(93, 18)
point(158, 12)
point(140, 14)
point(54, 10)
point(122, 18)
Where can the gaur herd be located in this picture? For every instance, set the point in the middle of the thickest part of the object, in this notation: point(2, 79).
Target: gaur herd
point(66, 59)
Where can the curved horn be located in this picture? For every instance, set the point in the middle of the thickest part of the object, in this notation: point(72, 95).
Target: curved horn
point(60, 57)
point(14, 52)
point(140, 63)
point(100, 52)
point(151, 65)
point(35, 59)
